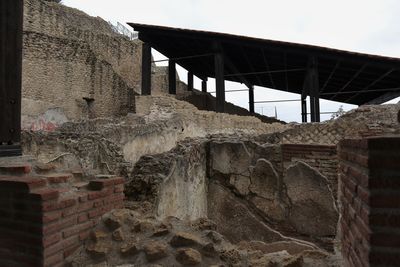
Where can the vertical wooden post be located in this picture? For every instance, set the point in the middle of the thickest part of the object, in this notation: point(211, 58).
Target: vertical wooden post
point(219, 82)
point(251, 99)
point(146, 69)
point(204, 85)
point(11, 20)
point(172, 77)
point(190, 81)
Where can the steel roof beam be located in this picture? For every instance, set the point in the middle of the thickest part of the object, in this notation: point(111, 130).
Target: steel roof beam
point(351, 79)
point(372, 84)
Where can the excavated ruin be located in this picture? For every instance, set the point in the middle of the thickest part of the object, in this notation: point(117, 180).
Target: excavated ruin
point(200, 188)
point(184, 176)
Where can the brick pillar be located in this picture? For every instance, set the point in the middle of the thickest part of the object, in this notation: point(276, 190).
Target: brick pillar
point(369, 173)
point(42, 226)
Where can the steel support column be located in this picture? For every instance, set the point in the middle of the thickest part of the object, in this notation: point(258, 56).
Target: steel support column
point(303, 110)
point(146, 69)
point(172, 77)
point(204, 85)
point(314, 91)
point(219, 82)
point(11, 20)
point(190, 81)
point(251, 99)
point(312, 109)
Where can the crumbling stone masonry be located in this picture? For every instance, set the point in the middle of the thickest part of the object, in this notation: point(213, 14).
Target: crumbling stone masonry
point(370, 199)
point(43, 220)
point(321, 157)
point(75, 63)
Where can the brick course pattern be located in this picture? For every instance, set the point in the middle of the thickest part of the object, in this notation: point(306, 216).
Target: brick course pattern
point(42, 226)
point(369, 171)
point(321, 157)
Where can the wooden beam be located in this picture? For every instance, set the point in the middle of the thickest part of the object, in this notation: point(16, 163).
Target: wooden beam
point(146, 69)
point(172, 77)
point(251, 99)
point(11, 20)
point(219, 81)
point(190, 81)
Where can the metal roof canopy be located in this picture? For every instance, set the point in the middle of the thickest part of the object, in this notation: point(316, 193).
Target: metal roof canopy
point(319, 72)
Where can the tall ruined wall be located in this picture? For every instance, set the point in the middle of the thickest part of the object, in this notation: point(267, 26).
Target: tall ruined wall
point(69, 56)
point(62, 72)
point(60, 21)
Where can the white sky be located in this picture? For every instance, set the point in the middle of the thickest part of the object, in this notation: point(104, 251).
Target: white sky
point(369, 26)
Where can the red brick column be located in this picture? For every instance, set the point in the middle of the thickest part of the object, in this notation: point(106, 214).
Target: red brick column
point(42, 226)
point(370, 201)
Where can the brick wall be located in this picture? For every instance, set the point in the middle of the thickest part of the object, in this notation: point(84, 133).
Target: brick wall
point(42, 226)
point(321, 157)
point(370, 201)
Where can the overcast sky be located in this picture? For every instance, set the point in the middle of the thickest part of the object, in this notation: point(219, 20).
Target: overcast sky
point(369, 26)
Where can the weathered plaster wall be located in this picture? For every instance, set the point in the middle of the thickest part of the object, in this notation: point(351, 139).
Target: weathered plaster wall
point(298, 202)
point(321, 157)
point(236, 185)
point(183, 193)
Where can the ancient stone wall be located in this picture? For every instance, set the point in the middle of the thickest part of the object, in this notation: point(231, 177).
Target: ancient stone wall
point(70, 72)
point(157, 107)
point(321, 157)
point(277, 202)
point(61, 21)
point(241, 186)
point(45, 220)
point(370, 203)
point(364, 121)
point(69, 57)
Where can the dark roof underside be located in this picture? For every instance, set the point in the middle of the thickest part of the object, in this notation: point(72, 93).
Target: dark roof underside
point(344, 76)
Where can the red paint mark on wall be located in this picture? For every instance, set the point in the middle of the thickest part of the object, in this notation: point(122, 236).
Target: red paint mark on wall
point(42, 125)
